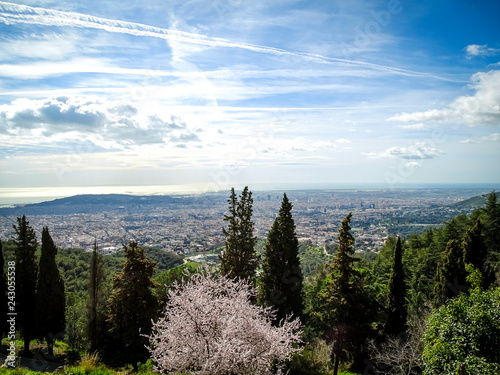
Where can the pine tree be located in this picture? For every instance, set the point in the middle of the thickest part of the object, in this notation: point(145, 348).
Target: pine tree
point(26, 276)
point(344, 309)
point(396, 319)
point(492, 224)
point(281, 277)
point(50, 294)
point(239, 259)
point(95, 301)
point(475, 251)
point(132, 304)
point(3, 295)
point(450, 276)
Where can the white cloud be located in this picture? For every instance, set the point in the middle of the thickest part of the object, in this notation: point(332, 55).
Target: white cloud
point(114, 125)
point(481, 108)
point(494, 137)
point(474, 50)
point(417, 151)
point(342, 140)
point(419, 126)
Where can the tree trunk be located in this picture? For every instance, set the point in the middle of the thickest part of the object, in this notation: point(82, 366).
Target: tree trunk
point(50, 347)
point(336, 364)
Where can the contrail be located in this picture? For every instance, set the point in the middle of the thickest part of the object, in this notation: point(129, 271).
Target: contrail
point(15, 13)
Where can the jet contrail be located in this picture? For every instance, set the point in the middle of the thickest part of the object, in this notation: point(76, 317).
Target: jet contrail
point(14, 13)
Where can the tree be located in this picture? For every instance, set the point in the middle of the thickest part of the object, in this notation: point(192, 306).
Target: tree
point(210, 326)
point(343, 307)
point(132, 304)
point(95, 301)
point(396, 309)
point(492, 223)
point(26, 276)
point(50, 295)
point(464, 335)
point(450, 276)
point(281, 277)
point(239, 258)
point(475, 251)
point(3, 295)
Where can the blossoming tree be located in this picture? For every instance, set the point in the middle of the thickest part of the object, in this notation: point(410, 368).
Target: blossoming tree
point(209, 326)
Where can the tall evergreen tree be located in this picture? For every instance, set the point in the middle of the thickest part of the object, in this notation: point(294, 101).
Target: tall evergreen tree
point(396, 319)
point(450, 276)
point(132, 304)
point(3, 295)
point(50, 294)
point(281, 277)
point(492, 224)
point(344, 308)
point(475, 252)
point(26, 276)
point(239, 259)
point(95, 301)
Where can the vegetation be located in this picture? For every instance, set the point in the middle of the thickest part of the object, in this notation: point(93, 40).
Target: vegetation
point(239, 259)
point(281, 278)
point(26, 276)
point(428, 303)
point(210, 326)
point(50, 295)
point(132, 304)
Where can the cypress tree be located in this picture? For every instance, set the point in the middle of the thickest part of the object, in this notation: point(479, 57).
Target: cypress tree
point(132, 304)
point(50, 294)
point(450, 275)
point(281, 277)
point(239, 259)
point(3, 295)
point(396, 319)
point(343, 307)
point(95, 301)
point(492, 224)
point(475, 252)
point(26, 276)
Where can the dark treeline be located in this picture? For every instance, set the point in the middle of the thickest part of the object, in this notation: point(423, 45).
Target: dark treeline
point(361, 311)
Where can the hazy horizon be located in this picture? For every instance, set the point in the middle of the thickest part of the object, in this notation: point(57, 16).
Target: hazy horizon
point(20, 196)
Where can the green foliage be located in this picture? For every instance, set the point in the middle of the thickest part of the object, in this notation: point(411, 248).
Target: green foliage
point(132, 304)
point(315, 358)
point(26, 276)
point(50, 294)
point(396, 309)
point(4, 327)
point(312, 259)
point(464, 333)
point(450, 277)
point(343, 309)
point(95, 302)
point(239, 259)
point(174, 275)
point(280, 283)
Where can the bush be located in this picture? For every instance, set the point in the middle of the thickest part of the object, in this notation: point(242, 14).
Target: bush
point(464, 335)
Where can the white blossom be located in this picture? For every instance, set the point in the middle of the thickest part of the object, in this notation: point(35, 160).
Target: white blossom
point(210, 326)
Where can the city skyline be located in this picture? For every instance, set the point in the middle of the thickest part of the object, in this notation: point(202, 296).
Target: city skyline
point(205, 95)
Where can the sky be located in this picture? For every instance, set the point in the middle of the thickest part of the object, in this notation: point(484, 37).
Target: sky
point(213, 94)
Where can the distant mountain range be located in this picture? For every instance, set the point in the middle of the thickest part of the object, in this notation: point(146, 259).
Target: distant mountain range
point(90, 203)
point(95, 203)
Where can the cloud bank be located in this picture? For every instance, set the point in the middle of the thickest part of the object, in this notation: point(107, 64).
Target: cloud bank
point(481, 108)
point(115, 125)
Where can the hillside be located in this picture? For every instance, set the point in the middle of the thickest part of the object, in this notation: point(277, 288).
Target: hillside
point(471, 203)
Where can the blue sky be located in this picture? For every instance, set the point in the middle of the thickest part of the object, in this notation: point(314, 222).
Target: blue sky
point(219, 93)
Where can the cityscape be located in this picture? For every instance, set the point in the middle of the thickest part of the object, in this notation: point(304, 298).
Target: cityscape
point(192, 224)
